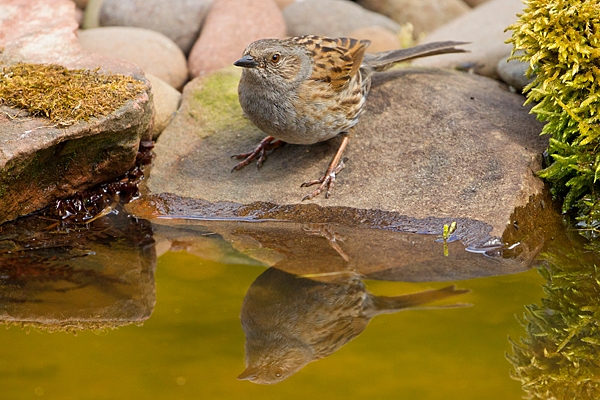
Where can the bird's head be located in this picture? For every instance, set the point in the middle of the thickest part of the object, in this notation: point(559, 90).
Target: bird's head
point(280, 62)
point(273, 368)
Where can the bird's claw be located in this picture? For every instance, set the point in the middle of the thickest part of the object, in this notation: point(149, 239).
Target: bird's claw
point(259, 153)
point(326, 182)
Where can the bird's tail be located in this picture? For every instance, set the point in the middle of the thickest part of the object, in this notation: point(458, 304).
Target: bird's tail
point(384, 304)
point(385, 59)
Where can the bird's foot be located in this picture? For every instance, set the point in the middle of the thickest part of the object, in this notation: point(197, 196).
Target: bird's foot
point(259, 153)
point(326, 182)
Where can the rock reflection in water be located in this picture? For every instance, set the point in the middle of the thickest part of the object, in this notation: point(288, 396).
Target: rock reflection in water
point(73, 277)
point(290, 321)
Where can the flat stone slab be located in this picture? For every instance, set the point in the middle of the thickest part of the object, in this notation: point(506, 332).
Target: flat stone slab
point(434, 147)
point(432, 144)
point(39, 161)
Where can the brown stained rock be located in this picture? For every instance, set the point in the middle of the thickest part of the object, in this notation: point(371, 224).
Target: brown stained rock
point(40, 162)
point(433, 147)
point(229, 27)
point(432, 143)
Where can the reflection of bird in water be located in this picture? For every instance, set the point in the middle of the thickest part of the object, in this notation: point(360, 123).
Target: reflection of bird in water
point(290, 321)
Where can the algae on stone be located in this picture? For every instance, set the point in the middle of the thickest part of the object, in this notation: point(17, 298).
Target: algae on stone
point(62, 95)
point(561, 43)
point(218, 100)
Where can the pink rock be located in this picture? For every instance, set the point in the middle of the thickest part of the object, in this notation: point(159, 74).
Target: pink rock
point(152, 51)
point(229, 27)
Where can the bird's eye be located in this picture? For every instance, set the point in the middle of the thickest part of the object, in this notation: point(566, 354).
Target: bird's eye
point(276, 57)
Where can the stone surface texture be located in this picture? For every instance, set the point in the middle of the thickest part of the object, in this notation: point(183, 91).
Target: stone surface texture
point(166, 102)
point(484, 27)
point(180, 20)
point(152, 51)
point(91, 15)
point(432, 143)
point(424, 15)
point(229, 27)
point(513, 72)
point(382, 39)
point(41, 162)
point(475, 3)
point(335, 18)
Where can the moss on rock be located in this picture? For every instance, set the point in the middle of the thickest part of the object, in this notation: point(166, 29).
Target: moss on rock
point(65, 96)
point(561, 42)
point(217, 98)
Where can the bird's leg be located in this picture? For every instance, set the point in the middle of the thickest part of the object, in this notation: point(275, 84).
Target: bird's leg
point(327, 231)
point(327, 181)
point(267, 144)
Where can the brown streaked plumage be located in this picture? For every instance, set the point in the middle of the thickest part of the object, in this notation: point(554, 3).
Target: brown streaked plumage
point(308, 89)
point(290, 321)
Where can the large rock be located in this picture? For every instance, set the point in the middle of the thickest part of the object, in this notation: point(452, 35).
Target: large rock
point(332, 18)
point(180, 20)
point(432, 143)
point(152, 51)
point(484, 27)
point(229, 27)
point(39, 161)
point(434, 147)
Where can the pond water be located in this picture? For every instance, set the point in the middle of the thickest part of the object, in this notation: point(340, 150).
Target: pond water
point(170, 327)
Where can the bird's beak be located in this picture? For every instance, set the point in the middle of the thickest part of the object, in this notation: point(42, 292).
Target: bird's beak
point(249, 374)
point(247, 62)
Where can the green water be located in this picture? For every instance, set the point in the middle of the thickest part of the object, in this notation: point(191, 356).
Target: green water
point(192, 346)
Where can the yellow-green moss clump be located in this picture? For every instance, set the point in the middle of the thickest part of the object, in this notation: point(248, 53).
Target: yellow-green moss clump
point(561, 40)
point(62, 95)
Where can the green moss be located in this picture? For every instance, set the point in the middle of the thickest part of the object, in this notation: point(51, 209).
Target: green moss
point(561, 42)
point(215, 104)
point(65, 96)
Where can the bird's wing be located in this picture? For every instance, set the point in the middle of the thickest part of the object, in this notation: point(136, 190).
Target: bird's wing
point(338, 333)
point(336, 61)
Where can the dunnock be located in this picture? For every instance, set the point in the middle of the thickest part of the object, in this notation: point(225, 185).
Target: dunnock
point(309, 89)
point(290, 321)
